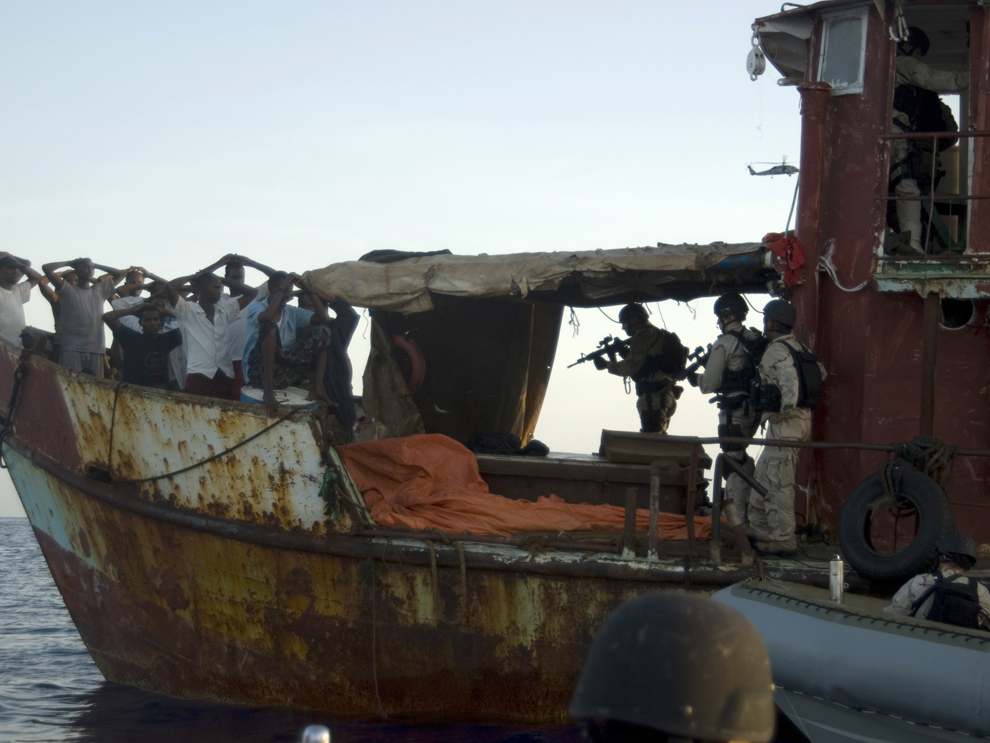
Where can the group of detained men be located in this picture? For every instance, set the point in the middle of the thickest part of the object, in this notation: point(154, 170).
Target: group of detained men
point(186, 333)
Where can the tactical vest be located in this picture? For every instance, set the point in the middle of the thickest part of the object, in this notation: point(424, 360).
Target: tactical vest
point(741, 380)
point(955, 602)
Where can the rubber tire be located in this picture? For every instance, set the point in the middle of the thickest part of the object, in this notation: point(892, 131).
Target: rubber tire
point(935, 515)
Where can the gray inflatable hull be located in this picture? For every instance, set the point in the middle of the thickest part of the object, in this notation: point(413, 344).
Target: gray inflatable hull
point(849, 672)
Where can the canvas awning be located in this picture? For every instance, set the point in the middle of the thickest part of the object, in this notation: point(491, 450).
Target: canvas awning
point(587, 278)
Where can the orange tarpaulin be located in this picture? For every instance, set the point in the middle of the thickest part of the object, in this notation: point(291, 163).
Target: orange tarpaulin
point(431, 481)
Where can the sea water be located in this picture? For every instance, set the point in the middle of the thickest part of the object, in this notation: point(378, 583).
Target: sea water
point(50, 690)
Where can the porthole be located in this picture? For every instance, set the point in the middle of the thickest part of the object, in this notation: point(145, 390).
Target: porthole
point(956, 313)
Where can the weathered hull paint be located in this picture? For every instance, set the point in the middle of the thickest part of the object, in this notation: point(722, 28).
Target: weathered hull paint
point(196, 615)
point(243, 581)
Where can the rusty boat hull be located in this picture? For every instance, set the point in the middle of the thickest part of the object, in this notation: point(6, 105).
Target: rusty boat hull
point(242, 577)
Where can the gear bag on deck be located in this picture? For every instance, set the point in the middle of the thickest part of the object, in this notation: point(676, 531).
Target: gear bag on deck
point(956, 602)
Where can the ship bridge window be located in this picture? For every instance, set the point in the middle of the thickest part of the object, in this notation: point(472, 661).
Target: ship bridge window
point(932, 147)
point(844, 51)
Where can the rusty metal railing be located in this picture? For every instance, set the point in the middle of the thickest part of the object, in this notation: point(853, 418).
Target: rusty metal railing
point(932, 197)
point(721, 461)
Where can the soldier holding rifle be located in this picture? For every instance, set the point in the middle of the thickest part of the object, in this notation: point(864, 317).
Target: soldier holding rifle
point(729, 372)
point(654, 359)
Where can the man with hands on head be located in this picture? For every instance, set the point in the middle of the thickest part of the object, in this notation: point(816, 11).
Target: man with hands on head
point(287, 345)
point(13, 294)
point(145, 353)
point(235, 271)
point(205, 325)
point(83, 346)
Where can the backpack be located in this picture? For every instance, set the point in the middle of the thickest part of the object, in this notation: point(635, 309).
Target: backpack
point(955, 602)
point(673, 356)
point(809, 377)
point(672, 359)
point(742, 379)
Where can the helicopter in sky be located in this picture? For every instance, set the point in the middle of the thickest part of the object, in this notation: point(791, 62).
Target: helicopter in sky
point(781, 168)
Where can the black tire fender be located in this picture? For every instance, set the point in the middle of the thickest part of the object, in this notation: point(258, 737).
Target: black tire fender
point(935, 518)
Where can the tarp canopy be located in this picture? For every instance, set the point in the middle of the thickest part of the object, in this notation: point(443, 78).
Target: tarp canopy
point(588, 278)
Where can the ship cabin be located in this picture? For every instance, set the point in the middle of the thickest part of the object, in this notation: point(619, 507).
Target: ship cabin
point(903, 333)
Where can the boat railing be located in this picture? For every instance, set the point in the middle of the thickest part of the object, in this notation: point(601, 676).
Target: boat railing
point(959, 201)
point(722, 462)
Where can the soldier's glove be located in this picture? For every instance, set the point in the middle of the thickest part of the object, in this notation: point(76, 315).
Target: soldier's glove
point(694, 379)
point(600, 363)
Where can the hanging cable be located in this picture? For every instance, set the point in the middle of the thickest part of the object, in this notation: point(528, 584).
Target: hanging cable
point(825, 263)
point(758, 312)
point(797, 185)
point(574, 322)
point(660, 312)
point(603, 312)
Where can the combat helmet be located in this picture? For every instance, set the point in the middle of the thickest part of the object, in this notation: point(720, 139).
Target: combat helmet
point(684, 665)
point(732, 304)
point(780, 311)
point(957, 545)
point(633, 312)
point(918, 39)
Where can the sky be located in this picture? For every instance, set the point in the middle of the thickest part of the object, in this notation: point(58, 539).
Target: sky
point(167, 134)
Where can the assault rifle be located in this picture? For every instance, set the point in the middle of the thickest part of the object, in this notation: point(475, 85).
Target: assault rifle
point(607, 346)
point(700, 359)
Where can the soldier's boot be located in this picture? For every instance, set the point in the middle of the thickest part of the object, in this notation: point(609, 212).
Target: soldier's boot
point(742, 540)
point(738, 529)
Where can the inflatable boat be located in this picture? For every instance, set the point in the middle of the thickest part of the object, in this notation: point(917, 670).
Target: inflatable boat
point(848, 672)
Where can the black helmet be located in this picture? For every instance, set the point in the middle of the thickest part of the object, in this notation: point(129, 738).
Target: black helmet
point(684, 665)
point(633, 313)
point(919, 39)
point(731, 304)
point(957, 545)
point(780, 311)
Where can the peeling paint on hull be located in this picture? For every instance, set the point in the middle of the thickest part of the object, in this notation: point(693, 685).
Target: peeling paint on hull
point(178, 587)
point(195, 615)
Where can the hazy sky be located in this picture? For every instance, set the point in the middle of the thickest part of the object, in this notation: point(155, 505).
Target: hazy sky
point(306, 133)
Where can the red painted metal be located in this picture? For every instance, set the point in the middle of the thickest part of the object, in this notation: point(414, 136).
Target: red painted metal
point(871, 342)
point(814, 110)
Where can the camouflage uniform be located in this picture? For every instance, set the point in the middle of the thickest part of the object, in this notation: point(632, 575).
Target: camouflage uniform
point(771, 518)
point(729, 354)
point(905, 155)
point(656, 401)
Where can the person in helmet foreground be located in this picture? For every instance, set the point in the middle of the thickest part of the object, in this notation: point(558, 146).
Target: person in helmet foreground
point(669, 666)
point(655, 389)
point(729, 373)
point(945, 594)
point(796, 388)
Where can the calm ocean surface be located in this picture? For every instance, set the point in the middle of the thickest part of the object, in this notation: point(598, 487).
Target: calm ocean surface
point(51, 691)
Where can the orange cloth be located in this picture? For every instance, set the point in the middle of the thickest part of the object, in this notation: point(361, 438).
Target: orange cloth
point(431, 481)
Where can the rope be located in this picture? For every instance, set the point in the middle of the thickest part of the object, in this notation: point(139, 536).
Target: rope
point(217, 456)
point(574, 322)
point(606, 316)
point(928, 455)
point(825, 263)
point(19, 374)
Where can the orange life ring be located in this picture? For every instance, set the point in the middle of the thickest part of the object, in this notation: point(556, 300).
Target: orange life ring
point(415, 353)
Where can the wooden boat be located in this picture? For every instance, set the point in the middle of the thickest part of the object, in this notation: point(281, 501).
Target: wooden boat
point(207, 550)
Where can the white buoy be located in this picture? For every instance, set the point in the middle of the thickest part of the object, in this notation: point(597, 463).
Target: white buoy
point(316, 734)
